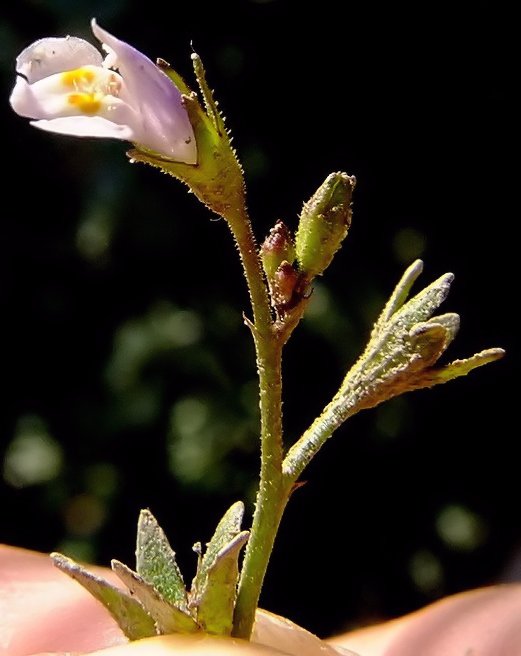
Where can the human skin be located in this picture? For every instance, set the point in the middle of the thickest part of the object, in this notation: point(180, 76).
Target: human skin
point(44, 612)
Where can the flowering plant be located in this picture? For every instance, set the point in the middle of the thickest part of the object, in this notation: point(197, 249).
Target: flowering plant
point(67, 87)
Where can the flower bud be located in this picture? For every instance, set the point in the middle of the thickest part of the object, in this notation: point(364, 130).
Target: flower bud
point(324, 224)
point(284, 288)
point(277, 248)
point(277, 254)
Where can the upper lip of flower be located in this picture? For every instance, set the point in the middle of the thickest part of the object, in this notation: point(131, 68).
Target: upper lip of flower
point(67, 86)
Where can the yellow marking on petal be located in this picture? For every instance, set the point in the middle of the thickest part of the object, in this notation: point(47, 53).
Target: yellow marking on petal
point(87, 103)
point(78, 78)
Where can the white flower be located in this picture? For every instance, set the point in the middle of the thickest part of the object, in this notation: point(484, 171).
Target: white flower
point(65, 85)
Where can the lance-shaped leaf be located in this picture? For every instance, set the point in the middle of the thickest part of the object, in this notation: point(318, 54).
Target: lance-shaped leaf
point(454, 369)
point(155, 561)
point(130, 615)
point(227, 529)
point(216, 601)
point(398, 297)
point(168, 618)
point(222, 548)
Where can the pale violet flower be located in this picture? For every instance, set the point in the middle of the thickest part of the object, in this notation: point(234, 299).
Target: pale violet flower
point(67, 86)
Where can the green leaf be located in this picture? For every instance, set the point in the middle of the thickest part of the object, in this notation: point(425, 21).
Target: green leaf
point(216, 601)
point(450, 321)
point(423, 305)
point(458, 368)
point(227, 530)
point(168, 618)
point(425, 344)
point(398, 297)
point(155, 561)
point(130, 615)
point(214, 587)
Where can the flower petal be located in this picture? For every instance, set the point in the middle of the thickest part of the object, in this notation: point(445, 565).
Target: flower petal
point(53, 55)
point(86, 126)
point(85, 90)
point(165, 126)
point(23, 100)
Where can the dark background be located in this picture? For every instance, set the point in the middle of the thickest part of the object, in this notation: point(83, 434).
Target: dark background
point(128, 375)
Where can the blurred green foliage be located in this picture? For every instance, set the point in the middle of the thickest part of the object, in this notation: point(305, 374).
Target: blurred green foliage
point(129, 376)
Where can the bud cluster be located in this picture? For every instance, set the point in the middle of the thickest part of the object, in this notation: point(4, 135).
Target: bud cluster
point(290, 263)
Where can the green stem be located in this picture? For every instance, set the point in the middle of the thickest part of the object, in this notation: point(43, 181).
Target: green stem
point(355, 394)
point(240, 225)
point(273, 491)
point(271, 499)
point(312, 440)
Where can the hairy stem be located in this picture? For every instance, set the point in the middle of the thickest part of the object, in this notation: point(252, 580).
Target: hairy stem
point(273, 492)
point(303, 451)
point(271, 496)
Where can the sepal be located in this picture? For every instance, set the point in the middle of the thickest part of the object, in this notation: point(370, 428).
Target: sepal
point(216, 179)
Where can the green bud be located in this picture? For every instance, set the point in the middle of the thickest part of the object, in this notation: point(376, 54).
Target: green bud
point(278, 247)
point(324, 224)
